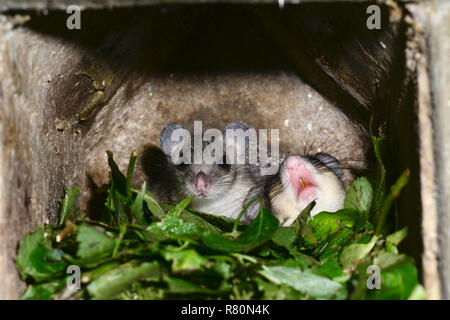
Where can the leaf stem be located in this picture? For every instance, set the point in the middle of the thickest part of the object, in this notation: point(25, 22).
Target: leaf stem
point(130, 170)
point(387, 203)
point(236, 223)
point(123, 230)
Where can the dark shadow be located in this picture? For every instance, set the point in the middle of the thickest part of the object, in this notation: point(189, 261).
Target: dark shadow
point(160, 175)
point(96, 203)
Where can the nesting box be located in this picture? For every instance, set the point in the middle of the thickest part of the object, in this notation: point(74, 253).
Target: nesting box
point(318, 71)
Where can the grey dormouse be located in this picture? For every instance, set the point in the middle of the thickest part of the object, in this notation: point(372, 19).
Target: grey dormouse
point(220, 188)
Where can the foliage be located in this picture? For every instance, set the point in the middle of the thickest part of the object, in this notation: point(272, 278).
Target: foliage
point(148, 250)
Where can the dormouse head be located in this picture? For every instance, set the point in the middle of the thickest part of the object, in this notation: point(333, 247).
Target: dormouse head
point(200, 163)
point(312, 178)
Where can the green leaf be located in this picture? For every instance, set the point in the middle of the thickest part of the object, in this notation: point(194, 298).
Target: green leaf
point(185, 260)
point(385, 259)
point(69, 205)
point(326, 224)
point(119, 197)
point(173, 227)
point(120, 206)
point(259, 231)
point(331, 268)
point(44, 291)
point(397, 237)
point(359, 196)
point(221, 223)
point(198, 221)
point(305, 281)
point(130, 170)
point(356, 252)
point(93, 245)
point(180, 207)
point(393, 240)
point(153, 205)
point(272, 291)
point(117, 177)
point(380, 186)
point(117, 204)
point(223, 268)
point(137, 208)
point(140, 292)
point(303, 228)
point(93, 274)
point(418, 293)
point(285, 236)
point(304, 261)
point(336, 243)
point(110, 284)
point(359, 279)
point(37, 259)
point(397, 282)
point(181, 286)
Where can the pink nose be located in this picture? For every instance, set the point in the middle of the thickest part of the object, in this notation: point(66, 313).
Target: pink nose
point(202, 183)
point(297, 168)
point(293, 162)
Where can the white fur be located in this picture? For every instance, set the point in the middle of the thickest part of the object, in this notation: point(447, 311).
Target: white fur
point(228, 204)
point(330, 196)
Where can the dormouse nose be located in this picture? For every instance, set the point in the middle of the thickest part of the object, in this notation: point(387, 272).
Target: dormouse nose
point(201, 182)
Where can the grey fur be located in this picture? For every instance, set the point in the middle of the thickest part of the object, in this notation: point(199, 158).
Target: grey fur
point(331, 163)
point(165, 137)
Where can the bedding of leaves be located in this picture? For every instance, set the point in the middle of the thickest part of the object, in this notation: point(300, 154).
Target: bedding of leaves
point(148, 250)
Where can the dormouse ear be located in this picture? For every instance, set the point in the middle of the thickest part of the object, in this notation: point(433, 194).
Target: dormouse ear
point(238, 127)
point(331, 163)
point(236, 140)
point(170, 135)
